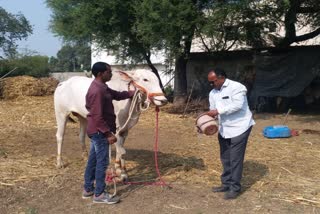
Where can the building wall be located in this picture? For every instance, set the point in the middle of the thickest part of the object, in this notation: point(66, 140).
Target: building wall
point(291, 74)
point(237, 65)
point(157, 58)
point(237, 62)
point(62, 76)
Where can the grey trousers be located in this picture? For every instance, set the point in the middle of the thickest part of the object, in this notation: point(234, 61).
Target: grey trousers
point(232, 151)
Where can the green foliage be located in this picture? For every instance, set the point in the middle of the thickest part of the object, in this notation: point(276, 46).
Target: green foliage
point(31, 210)
point(166, 24)
point(168, 91)
point(12, 29)
point(257, 23)
point(312, 18)
point(236, 23)
point(36, 66)
point(109, 23)
point(131, 29)
point(71, 18)
point(72, 57)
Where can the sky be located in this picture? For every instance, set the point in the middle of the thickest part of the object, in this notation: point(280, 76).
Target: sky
point(42, 40)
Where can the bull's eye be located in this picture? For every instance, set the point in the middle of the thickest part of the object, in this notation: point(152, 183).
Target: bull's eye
point(145, 80)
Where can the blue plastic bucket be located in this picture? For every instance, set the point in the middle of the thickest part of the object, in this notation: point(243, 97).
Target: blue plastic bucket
point(278, 131)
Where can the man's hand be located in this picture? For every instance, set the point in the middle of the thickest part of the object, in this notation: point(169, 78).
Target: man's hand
point(212, 113)
point(131, 93)
point(111, 138)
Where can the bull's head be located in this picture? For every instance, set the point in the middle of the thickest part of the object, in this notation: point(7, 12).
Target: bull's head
point(147, 83)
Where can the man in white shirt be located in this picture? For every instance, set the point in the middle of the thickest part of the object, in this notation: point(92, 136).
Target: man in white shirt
point(228, 102)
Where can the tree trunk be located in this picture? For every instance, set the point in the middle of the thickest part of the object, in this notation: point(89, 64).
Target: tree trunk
point(180, 81)
point(289, 22)
point(180, 77)
point(154, 70)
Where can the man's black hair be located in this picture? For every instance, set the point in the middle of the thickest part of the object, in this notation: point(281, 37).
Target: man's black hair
point(99, 67)
point(220, 72)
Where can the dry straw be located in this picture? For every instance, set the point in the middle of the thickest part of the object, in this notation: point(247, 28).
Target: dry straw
point(13, 87)
point(280, 169)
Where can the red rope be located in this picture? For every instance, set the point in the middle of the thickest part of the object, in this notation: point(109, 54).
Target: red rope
point(161, 182)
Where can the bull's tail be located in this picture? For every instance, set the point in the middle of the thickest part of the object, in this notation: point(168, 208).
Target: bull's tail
point(71, 117)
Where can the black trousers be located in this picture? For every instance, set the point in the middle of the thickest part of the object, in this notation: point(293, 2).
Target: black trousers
point(232, 151)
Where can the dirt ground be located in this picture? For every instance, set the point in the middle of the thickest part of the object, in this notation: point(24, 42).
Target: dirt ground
point(280, 175)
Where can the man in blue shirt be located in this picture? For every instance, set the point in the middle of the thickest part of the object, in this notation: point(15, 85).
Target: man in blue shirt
point(228, 102)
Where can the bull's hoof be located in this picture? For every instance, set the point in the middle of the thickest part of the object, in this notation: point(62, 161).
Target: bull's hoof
point(124, 177)
point(60, 164)
point(118, 172)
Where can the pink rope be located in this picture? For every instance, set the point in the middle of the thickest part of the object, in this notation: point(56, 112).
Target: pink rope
point(156, 183)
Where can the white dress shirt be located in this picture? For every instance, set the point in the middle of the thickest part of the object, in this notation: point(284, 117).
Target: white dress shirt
point(231, 102)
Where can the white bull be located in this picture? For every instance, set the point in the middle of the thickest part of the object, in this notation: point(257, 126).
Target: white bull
point(69, 97)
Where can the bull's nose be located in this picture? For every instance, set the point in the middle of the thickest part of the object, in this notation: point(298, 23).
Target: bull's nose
point(165, 101)
point(160, 102)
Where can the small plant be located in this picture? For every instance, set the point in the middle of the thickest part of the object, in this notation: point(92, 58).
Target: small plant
point(31, 210)
point(3, 153)
point(168, 90)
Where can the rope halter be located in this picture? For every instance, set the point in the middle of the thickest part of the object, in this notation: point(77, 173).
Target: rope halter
point(150, 96)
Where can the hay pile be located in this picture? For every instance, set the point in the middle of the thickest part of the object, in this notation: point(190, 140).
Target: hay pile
point(13, 87)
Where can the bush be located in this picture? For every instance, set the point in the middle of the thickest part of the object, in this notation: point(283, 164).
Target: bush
point(169, 93)
point(36, 66)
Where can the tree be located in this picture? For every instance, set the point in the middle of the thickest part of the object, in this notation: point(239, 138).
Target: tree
point(232, 24)
point(12, 29)
point(107, 23)
point(124, 27)
point(170, 25)
point(299, 13)
point(72, 57)
point(133, 29)
point(257, 24)
point(32, 65)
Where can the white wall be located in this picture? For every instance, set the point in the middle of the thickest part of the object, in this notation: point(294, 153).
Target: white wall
point(62, 76)
point(157, 58)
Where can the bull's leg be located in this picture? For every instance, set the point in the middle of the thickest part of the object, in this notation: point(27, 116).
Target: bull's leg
point(82, 136)
point(120, 151)
point(61, 125)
